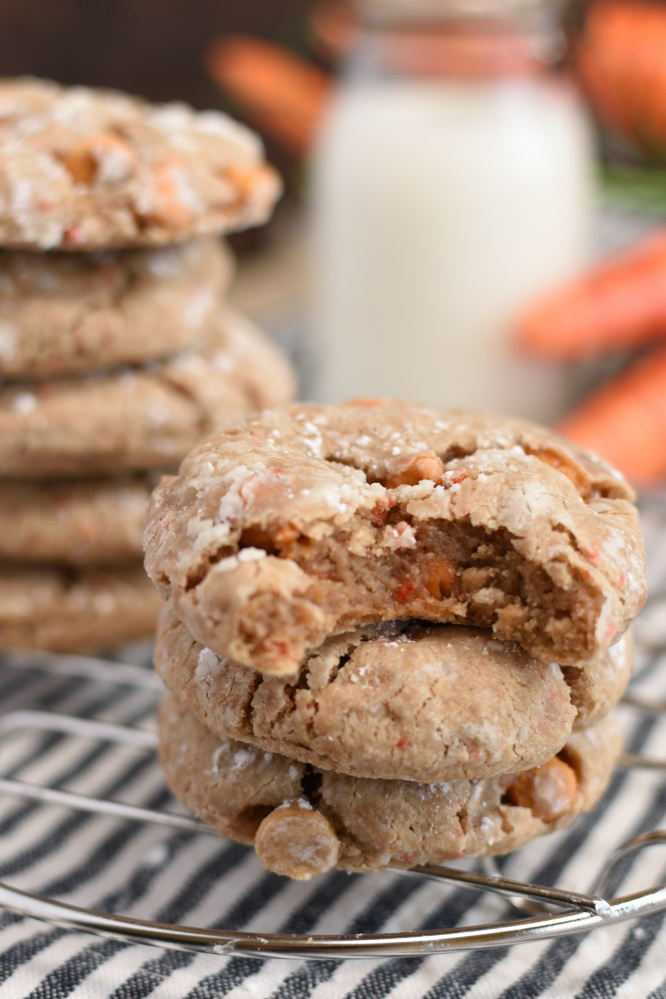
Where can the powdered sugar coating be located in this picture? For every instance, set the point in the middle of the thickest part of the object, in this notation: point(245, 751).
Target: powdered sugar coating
point(85, 169)
point(136, 418)
point(519, 531)
point(65, 313)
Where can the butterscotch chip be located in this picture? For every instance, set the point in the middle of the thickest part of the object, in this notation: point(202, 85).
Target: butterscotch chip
point(546, 553)
point(87, 161)
point(139, 418)
point(298, 841)
point(77, 523)
point(69, 313)
point(548, 791)
point(84, 169)
point(414, 469)
point(378, 823)
point(400, 700)
point(64, 610)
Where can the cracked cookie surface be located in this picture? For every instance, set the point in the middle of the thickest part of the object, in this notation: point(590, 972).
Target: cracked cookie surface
point(84, 169)
point(70, 610)
point(309, 521)
point(419, 702)
point(368, 825)
point(67, 313)
point(140, 418)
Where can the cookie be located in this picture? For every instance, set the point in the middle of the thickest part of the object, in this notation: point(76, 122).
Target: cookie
point(77, 523)
point(137, 418)
point(406, 701)
point(85, 169)
point(67, 313)
point(256, 364)
point(597, 685)
point(68, 610)
point(309, 521)
point(303, 820)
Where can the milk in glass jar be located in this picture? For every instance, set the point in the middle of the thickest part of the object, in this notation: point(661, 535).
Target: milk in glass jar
point(451, 184)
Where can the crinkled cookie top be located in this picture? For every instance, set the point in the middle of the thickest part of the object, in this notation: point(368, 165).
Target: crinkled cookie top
point(84, 169)
point(298, 489)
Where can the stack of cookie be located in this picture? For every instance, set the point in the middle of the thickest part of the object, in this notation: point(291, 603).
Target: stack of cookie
point(117, 353)
point(392, 634)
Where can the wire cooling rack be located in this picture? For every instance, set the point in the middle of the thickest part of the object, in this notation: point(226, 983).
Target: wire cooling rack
point(541, 911)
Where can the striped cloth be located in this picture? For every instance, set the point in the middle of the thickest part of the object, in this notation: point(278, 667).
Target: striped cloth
point(153, 873)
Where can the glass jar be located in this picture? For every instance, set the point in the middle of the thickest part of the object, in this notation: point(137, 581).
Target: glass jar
point(451, 184)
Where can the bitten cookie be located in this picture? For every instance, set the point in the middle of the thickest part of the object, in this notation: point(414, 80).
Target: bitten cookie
point(77, 523)
point(139, 418)
point(304, 821)
point(67, 313)
point(88, 169)
point(406, 701)
point(74, 611)
point(308, 521)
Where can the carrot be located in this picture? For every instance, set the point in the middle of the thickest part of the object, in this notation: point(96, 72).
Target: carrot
point(619, 305)
point(624, 422)
point(283, 94)
point(606, 103)
point(622, 63)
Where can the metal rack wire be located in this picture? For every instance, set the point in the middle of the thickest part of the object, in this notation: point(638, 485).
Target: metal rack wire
point(543, 912)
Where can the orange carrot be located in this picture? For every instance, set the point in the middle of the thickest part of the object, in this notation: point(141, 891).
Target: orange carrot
point(619, 305)
point(606, 103)
point(623, 64)
point(283, 94)
point(624, 422)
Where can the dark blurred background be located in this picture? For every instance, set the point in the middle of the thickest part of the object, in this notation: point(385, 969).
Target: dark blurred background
point(151, 47)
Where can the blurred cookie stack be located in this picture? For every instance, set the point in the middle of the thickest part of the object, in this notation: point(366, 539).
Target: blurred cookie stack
point(117, 353)
point(393, 634)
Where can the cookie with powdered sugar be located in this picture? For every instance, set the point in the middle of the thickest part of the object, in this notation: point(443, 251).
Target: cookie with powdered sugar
point(144, 417)
point(70, 313)
point(402, 700)
point(74, 610)
point(309, 521)
point(303, 820)
point(74, 522)
point(84, 169)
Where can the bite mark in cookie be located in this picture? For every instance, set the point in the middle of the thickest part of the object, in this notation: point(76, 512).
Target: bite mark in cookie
point(310, 521)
